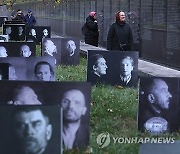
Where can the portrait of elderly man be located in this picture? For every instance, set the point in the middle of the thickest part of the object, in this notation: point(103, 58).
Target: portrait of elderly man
point(75, 133)
point(3, 52)
point(126, 77)
point(97, 68)
point(49, 48)
point(25, 51)
point(44, 71)
point(24, 95)
point(155, 100)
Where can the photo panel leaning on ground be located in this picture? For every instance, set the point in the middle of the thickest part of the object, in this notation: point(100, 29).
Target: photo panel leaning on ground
point(158, 105)
point(70, 51)
point(30, 129)
point(37, 33)
point(73, 97)
point(113, 67)
point(19, 49)
point(51, 47)
point(15, 32)
point(31, 69)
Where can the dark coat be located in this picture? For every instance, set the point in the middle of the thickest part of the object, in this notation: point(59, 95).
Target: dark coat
point(120, 33)
point(91, 31)
point(132, 83)
point(95, 79)
point(19, 17)
point(82, 137)
point(30, 20)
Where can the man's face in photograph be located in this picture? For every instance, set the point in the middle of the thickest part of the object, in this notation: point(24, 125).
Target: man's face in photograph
point(71, 46)
point(8, 30)
point(32, 131)
point(27, 96)
point(45, 32)
point(50, 47)
point(25, 51)
point(20, 29)
point(126, 67)
point(161, 94)
point(43, 72)
point(73, 105)
point(100, 66)
point(33, 32)
point(12, 73)
point(3, 52)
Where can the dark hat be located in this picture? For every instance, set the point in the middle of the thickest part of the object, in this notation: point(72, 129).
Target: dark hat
point(29, 11)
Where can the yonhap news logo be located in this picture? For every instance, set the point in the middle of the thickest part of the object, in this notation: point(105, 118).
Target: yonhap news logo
point(104, 139)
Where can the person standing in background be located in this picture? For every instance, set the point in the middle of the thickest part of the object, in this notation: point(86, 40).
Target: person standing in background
point(90, 30)
point(19, 16)
point(30, 19)
point(120, 35)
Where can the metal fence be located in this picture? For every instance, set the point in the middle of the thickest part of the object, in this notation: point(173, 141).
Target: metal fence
point(155, 24)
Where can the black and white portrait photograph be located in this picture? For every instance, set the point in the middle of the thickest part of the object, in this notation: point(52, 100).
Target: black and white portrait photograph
point(16, 32)
point(4, 71)
point(73, 97)
point(32, 68)
point(158, 105)
point(2, 20)
point(75, 118)
point(70, 51)
point(30, 129)
point(3, 51)
point(41, 69)
point(18, 49)
point(4, 38)
point(97, 67)
point(51, 47)
point(37, 33)
point(127, 69)
point(114, 68)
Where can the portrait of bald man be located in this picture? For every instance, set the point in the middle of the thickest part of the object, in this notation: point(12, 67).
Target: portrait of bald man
point(158, 104)
point(75, 133)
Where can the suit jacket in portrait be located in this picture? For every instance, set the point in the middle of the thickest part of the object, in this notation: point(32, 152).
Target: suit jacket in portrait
point(132, 83)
